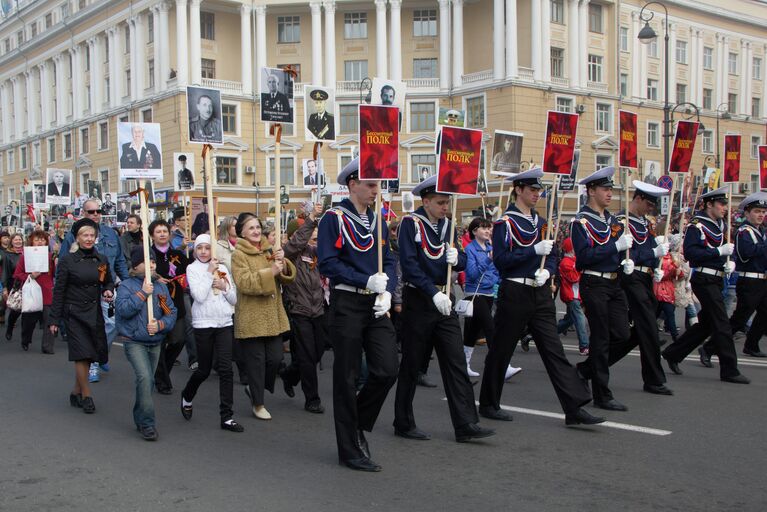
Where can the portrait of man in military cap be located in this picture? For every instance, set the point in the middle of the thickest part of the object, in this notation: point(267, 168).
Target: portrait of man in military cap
point(204, 109)
point(184, 166)
point(318, 114)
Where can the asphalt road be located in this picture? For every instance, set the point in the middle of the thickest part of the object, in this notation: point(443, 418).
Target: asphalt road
point(702, 449)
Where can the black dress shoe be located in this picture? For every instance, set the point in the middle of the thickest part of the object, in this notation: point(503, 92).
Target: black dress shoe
point(314, 407)
point(76, 400)
point(8, 335)
point(658, 390)
point(88, 406)
point(25, 347)
point(288, 387)
point(582, 417)
point(424, 381)
point(674, 367)
point(363, 464)
point(165, 391)
point(148, 433)
point(705, 358)
point(490, 412)
point(611, 405)
point(232, 426)
point(414, 433)
point(362, 444)
point(186, 411)
point(737, 379)
point(754, 353)
point(472, 431)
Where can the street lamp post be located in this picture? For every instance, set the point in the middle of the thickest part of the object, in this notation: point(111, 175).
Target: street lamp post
point(720, 115)
point(648, 35)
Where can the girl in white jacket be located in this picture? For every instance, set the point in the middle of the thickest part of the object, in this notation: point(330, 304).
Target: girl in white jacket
point(214, 294)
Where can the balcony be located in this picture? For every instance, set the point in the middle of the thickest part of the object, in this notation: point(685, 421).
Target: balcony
point(422, 83)
point(526, 74)
point(561, 82)
point(479, 76)
point(226, 86)
point(597, 86)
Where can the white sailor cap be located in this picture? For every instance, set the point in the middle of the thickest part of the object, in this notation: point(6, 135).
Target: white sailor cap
point(530, 178)
point(452, 113)
point(602, 178)
point(755, 200)
point(350, 170)
point(427, 186)
point(649, 191)
point(719, 194)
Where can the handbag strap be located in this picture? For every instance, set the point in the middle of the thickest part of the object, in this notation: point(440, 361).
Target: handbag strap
point(478, 283)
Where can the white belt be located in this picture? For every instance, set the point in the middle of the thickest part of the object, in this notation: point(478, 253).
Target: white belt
point(710, 271)
point(349, 288)
point(604, 275)
point(753, 275)
point(522, 280)
point(646, 270)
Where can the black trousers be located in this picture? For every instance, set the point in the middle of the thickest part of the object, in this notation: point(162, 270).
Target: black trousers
point(261, 357)
point(306, 348)
point(752, 297)
point(520, 308)
point(29, 323)
point(607, 313)
point(480, 321)
point(169, 352)
point(209, 340)
point(712, 321)
point(643, 306)
point(12, 317)
point(423, 325)
point(353, 328)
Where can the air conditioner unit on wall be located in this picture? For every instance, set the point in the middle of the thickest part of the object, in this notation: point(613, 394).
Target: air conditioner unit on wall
point(250, 169)
point(745, 188)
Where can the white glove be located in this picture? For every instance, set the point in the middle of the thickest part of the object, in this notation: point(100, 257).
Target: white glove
point(541, 276)
point(660, 240)
point(544, 247)
point(452, 256)
point(624, 242)
point(628, 266)
point(661, 250)
point(382, 304)
point(377, 283)
point(729, 267)
point(726, 249)
point(658, 277)
point(443, 303)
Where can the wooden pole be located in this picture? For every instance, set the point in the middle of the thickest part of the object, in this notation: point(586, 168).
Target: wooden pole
point(186, 224)
point(450, 245)
point(484, 210)
point(145, 242)
point(626, 229)
point(209, 170)
point(501, 206)
point(553, 189)
point(277, 178)
point(559, 213)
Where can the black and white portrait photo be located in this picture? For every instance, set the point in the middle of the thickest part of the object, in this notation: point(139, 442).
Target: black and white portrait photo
point(183, 167)
point(94, 190)
point(276, 96)
point(424, 172)
point(9, 219)
point(38, 195)
point(140, 151)
point(58, 190)
point(507, 153)
point(108, 206)
point(204, 109)
point(319, 104)
point(312, 172)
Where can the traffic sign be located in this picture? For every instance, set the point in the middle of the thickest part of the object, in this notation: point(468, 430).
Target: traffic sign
point(666, 182)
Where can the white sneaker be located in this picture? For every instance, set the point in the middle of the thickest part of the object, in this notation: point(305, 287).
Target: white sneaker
point(260, 412)
point(468, 351)
point(471, 372)
point(511, 371)
point(693, 321)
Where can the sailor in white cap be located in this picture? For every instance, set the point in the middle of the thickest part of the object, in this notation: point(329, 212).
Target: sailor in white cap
point(706, 250)
point(600, 243)
point(525, 302)
point(360, 297)
point(751, 264)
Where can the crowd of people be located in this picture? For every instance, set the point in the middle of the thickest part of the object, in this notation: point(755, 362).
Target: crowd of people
point(245, 298)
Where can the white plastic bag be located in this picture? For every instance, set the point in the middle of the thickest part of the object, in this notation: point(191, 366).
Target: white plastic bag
point(31, 296)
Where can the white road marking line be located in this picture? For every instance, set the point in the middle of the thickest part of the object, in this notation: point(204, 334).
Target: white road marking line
point(745, 361)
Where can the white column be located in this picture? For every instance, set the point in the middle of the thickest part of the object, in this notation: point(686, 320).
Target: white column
point(536, 43)
point(5, 113)
point(60, 90)
point(91, 42)
point(573, 35)
point(119, 67)
point(97, 74)
point(583, 43)
point(718, 71)
point(723, 70)
point(18, 110)
point(113, 76)
point(396, 39)
point(132, 59)
point(381, 60)
point(29, 80)
point(692, 67)
point(163, 36)
point(457, 43)
point(260, 41)
point(156, 46)
point(195, 42)
point(316, 8)
point(764, 81)
point(546, 41)
point(512, 61)
point(444, 44)
point(643, 51)
point(182, 44)
point(699, 67)
point(77, 82)
point(45, 98)
point(744, 77)
point(246, 59)
point(139, 71)
point(330, 42)
point(498, 40)
point(672, 63)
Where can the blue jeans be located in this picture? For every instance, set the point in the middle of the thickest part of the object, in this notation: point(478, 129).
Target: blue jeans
point(143, 358)
point(109, 323)
point(575, 316)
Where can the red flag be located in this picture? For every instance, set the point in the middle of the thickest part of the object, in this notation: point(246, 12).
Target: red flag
point(31, 212)
point(684, 144)
point(560, 142)
point(459, 158)
point(731, 159)
point(628, 144)
point(763, 167)
point(379, 142)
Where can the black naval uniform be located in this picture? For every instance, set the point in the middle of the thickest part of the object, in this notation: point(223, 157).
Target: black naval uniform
point(424, 273)
point(523, 306)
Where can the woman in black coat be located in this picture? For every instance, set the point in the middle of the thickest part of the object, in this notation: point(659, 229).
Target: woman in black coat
point(82, 279)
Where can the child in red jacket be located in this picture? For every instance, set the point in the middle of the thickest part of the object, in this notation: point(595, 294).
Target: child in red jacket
point(569, 278)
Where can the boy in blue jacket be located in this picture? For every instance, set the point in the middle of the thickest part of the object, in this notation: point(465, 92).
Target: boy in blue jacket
point(140, 338)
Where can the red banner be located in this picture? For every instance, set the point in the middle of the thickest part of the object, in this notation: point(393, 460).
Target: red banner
point(763, 167)
point(459, 158)
point(731, 159)
point(560, 142)
point(628, 129)
point(379, 142)
point(684, 144)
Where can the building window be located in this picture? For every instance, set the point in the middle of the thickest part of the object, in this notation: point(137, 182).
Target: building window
point(418, 162)
point(287, 176)
point(624, 84)
point(126, 44)
point(604, 118)
point(604, 161)
point(652, 89)
point(48, 20)
point(103, 136)
point(104, 178)
point(85, 146)
point(124, 119)
point(756, 108)
point(146, 115)
point(558, 11)
point(226, 170)
point(565, 104)
point(19, 38)
point(127, 81)
point(51, 150)
point(424, 68)
point(349, 119)
point(707, 140)
point(11, 163)
point(151, 72)
point(229, 118)
point(422, 117)
point(681, 52)
point(652, 49)
point(23, 157)
point(208, 68)
point(67, 146)
point(33, 30)
point(36, 154)
point(624, 39)
point(681, 93)
point(708, 99)
point(107, 90)
point(732, 63)
point(756, 141)
point(295, 67)
point(355, 25)
point(150, 29)
point(84, 178)
point(595, 18)
point(425, 23)
point(708, 57)
point(732, 103)
point(208, 26)
point(355, 70)
point(653, 135)
point(557, 62)
point(756, 68)
point(7, 44)
point(288, 29)
point(475, 112)
point(595, 68)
